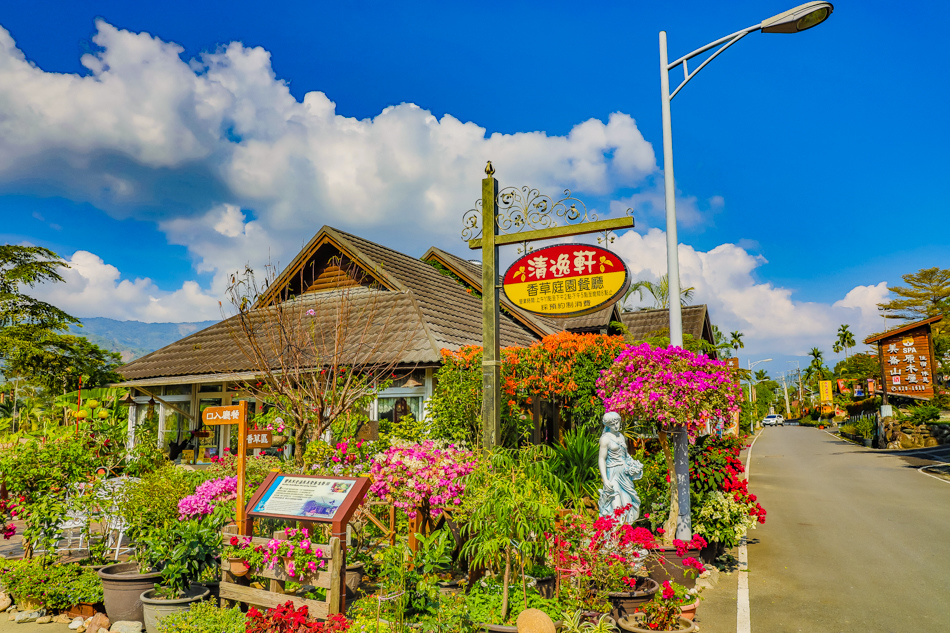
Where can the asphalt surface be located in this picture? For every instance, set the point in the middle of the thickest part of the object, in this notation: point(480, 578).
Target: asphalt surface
point(855, 539)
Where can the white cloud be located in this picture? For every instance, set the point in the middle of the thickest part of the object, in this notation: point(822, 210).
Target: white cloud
point(147, 134)
point(771, 319)
point(92, 287)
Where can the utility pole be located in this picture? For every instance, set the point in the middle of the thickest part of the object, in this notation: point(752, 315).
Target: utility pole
point(788, 408)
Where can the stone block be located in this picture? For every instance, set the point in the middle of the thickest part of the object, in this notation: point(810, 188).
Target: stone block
point(126, 626)
point(46, 619)
point(76, 623)
point(98, 621)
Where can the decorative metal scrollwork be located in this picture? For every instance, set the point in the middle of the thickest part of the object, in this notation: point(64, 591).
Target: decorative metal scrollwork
point(526, 208)
point(472, 222)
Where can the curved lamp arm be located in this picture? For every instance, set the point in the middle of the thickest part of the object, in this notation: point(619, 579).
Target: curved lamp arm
point(729, 41)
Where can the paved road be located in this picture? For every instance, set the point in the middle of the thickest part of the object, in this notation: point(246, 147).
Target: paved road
point(855, 539)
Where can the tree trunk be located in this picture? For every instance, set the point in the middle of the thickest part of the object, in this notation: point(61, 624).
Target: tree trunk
point(669, 526)
point(505, 586)
point(684, 528)
point(299, 434)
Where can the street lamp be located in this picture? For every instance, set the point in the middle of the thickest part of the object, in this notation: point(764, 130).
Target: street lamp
point(795, 20)
point(798, 19)
point(752, 377)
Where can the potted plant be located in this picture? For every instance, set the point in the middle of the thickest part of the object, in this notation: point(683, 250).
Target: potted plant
point(679, 563)
point(605, 561)
point(505, 508)
point(242, 555)
point(145, 505)
point(663, 614)
point(298, 554)
point(182, 553)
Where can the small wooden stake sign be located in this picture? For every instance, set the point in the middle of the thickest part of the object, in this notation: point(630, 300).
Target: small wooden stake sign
point(233, 414)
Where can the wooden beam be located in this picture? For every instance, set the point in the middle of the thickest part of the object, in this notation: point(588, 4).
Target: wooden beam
point(148, 393)
point(558, 231)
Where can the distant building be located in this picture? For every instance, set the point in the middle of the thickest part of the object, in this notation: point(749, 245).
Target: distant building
point(431, 304)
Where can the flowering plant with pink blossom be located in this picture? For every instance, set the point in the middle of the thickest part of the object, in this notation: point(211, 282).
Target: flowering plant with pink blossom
point(8, 512)
point(424, 477)
point(300, 555)
point(346, 458)
point(207, 496)
point(671, 386)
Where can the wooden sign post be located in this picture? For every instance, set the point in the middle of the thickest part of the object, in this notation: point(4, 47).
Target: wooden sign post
point(234, 414)
point(907, 360)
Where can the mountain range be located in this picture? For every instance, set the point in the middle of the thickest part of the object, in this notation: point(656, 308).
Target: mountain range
point(132, 339)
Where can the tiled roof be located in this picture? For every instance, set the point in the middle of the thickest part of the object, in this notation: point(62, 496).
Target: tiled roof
point(649, 323)
point(432, 312)
point(471, 273)
point(390, 329)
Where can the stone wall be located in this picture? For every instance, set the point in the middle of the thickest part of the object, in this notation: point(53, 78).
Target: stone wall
point(908, 435)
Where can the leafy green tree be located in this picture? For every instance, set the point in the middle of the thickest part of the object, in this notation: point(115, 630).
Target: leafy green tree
point(926, 295)
point(33, 344)
point(721, 343)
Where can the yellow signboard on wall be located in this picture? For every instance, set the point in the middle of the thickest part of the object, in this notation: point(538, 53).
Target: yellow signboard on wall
point(824, 390)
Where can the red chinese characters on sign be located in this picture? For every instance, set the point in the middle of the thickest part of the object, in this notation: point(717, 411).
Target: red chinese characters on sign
point(566, 280)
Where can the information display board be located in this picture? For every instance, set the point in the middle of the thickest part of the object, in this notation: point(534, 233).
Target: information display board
point(308, 497)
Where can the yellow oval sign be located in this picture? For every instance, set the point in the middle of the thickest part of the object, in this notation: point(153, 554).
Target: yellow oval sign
point(566, 280)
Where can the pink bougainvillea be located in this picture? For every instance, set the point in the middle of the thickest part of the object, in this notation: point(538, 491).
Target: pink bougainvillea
point(671, 386)
point(425, 476)
point(207, 495)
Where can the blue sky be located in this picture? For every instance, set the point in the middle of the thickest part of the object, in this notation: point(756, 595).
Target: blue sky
point(185, 144)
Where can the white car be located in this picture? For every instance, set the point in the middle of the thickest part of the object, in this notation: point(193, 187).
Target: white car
point(773, 419)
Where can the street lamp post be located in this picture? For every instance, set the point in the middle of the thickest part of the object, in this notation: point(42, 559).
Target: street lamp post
point(752, 377)
point(795, 20)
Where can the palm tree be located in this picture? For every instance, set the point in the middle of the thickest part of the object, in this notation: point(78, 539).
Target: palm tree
point(761, 375)
point(722, 346)
point(845, 340)
point(735, 340)
point(660, 292)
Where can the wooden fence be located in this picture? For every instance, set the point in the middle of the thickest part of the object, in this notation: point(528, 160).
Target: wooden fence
point(238, 589)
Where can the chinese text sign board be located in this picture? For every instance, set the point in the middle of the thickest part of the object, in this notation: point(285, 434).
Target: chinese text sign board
point(907, 363)
point(824, 390)
point(308, 498)
point(566, 280)
point(259, 439)
point(221, 415)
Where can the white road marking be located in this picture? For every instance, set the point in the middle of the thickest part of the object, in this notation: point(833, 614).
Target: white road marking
point(922, 471)
point(743, 611)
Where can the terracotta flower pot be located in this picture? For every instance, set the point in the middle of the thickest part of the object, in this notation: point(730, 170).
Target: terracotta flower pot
point(239, 566)
point(689, 610)
point(626, 603)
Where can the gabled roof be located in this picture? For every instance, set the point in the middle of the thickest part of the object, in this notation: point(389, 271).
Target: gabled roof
point(434, 311)
point(644, 324)
point(904, 328)
point(471, 274)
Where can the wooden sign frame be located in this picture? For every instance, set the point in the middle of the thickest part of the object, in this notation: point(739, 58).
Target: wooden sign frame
point(337, 524)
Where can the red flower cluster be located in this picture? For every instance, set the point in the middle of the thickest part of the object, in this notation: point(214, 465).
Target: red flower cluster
point(8, 511)
point(728, 479)
point(284, 619)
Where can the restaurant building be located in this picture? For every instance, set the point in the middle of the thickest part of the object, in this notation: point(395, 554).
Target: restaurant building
point(410, 309)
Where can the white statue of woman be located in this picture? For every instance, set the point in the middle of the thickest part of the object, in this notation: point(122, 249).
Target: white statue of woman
point(618, 471)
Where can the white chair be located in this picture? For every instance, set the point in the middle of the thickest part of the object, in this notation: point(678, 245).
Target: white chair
point(116, 526)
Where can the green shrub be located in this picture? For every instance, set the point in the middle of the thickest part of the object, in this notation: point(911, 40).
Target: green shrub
point(151, 503)
point(204, 617)
point(53, 586)
point(866, 428)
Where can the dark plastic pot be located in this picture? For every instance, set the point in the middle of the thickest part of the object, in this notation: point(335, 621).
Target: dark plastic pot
point(712, 552)
point(546, 586)
point(626, 603)
point(156, 609)
point(633, 625)
point(354, 576)
point(122, 587)
point(669, 566)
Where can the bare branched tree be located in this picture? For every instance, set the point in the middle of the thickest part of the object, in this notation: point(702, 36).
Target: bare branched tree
point(318, 354)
